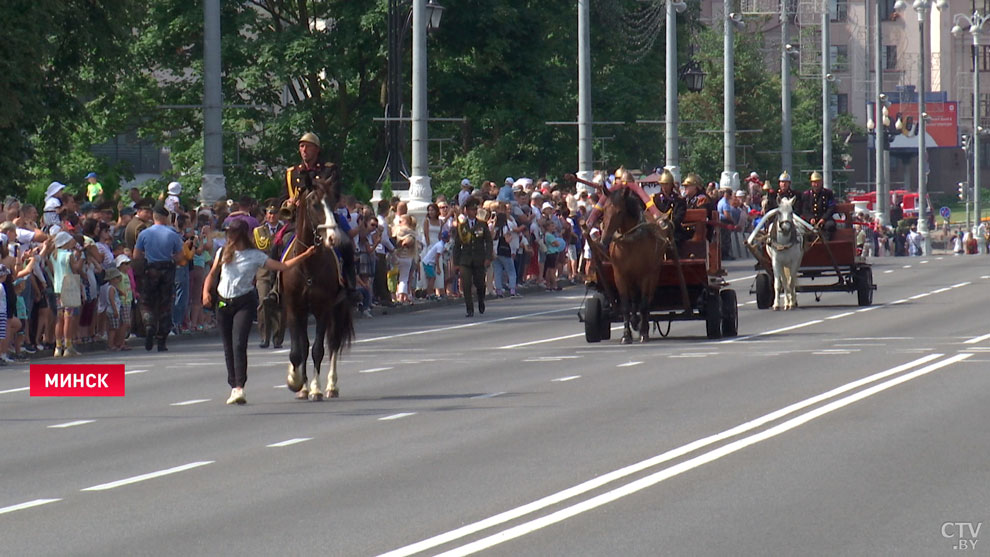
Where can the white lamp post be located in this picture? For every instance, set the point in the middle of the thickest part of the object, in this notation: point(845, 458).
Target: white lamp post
point(922, 8)
point(420, 193)
point(733, 21)
point(975, 23)
point(673, 8)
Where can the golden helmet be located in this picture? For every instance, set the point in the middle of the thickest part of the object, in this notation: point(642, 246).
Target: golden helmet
point(666, 177)
point(692, 179)
point(816, 176)
point(784, 177)
point(622, 175)
point(310, 137)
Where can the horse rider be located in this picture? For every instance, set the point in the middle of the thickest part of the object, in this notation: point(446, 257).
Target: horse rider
point(783, 190)
point(298, 180)
point(271, 324)
point(818, 206)
point(472, 252)
point(159, 248)
point(669, 202)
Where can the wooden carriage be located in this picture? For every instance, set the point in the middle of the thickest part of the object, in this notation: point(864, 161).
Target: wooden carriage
point(708, 297)
point(835, 264)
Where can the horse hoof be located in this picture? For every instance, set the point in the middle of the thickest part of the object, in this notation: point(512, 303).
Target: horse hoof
point(626, 340)
point(776, 308)
point(644, 340)
point(294, 380)
point(303, 394)
point(332, 393)
point(315, 396)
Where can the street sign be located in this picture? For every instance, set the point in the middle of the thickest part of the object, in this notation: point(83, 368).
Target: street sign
point(945, 212)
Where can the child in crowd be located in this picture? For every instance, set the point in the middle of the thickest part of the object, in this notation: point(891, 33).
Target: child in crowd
point(67, 263)
point(431, 260)
point(111, 291)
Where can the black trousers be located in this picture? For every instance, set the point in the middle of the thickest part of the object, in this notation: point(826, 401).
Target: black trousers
point(473, 274)
point(234, 317)
point(157, 298)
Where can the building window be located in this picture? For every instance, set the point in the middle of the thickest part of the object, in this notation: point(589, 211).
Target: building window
point(983, 58)
point(984, 155)
point(839, 54)
point(837, 10)
point(889, 57)
point(842, 103)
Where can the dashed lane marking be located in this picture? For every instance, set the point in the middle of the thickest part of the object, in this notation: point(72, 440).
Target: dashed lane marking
point(288, 442)
point(568, 378)
point(190, 402)
point(774, 331)
point(70, 424)
point(148, 476)
point(375, 369)
point(463, 326)
point(840, 315)
point(28, 505)
point(17, 390)
point(489, 395)
point(135, 371)
point(976, 339)
point(629, 364)
point(398, 416)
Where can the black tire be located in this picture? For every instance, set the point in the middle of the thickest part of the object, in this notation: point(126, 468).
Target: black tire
point(730, 313)
point(864, 286)
point(764, 291)
point(604, 322)
point(713, 315)
point(592, 319)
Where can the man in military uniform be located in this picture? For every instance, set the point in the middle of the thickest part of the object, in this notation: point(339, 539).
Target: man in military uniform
point(159, 247)
point(271, 324)
point(695, 198)
point(783, 191)
point(298, 180)
point(669, 202)
point(473, 254)
point(818, 206)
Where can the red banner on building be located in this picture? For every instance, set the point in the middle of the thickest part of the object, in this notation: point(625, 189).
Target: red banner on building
point(941, 129)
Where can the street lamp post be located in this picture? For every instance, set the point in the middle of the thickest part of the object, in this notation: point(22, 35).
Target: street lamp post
point(922, 8)
point(585, 138)
point(786, 142)
point(420, 193)
point(975, 23)
point(730, 177)
point(827, 79)
point(214, 184)
point(673, 165)
point(881, 118)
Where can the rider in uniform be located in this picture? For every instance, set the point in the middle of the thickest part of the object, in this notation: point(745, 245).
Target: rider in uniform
point(818, 206)
point(695, 197)
point(783, 191)
point(670, 203)
point(298, 180)
point(271, 325)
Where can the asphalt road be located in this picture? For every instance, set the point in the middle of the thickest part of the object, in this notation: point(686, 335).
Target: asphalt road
point(828, 430)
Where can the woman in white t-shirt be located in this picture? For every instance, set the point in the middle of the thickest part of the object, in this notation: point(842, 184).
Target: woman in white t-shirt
point(237, 264)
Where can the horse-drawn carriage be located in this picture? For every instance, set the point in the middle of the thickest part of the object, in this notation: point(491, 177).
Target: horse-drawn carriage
point(834, 263)
point(683, 282)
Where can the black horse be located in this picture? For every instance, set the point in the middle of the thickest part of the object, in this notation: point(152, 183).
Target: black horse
point(315, 288)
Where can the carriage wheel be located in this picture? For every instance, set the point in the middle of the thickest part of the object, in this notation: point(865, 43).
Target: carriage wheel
point(592, 319)
point(864, 286)
point(713, 315)
point(604, 323)
point(730, 313)
point(764, 291)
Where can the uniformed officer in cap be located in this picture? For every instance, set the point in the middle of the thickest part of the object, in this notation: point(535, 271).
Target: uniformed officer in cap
point(472, 252)
point(271, 324)
point(301, 178)
point(783, 191)
point(159, 247)
point(818, 206)
point(695, 198)
point(669, 202)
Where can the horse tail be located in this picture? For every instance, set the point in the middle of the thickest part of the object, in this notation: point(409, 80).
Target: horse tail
point(340, 333)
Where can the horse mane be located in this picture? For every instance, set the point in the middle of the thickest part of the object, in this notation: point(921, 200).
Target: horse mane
point(623, 198)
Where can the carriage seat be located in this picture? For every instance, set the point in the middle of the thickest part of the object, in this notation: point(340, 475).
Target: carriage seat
point(696, 247)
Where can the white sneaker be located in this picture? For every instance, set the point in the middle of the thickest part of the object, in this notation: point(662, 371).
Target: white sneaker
point(236, 396)
point(367, 313)
point(7, 358)
point(58, 352)
point(70, 351)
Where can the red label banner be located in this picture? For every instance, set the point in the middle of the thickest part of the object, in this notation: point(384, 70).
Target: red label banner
point(77, 380)
point(941, 129)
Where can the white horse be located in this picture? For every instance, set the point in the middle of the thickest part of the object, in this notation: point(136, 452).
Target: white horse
point(785, 244)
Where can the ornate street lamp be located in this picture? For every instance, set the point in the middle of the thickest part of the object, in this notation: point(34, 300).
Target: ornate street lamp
point(693, 76)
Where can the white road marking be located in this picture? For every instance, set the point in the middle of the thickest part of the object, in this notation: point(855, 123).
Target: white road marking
point(396, 416)
point(621, 473)
point(568, 378)
point(290, 442)
point(702, 459)
point(895, 302)
point(693, 355)
point(961, 284)
point(70, 424)
point(190, 402)
point(282, 351)
point(281, 387)
point(888, 271)
point(920, 296)
point(28, 505)
point(829, 352)
point(462, 326)
point(532, 342)
point(375, 369)
point(149, 476)
point(840, 315)
point(135, 371)
point(878, 338)
point(747, 277)
point(977, 339)
point(940, 290)
point(549, 358)
point(629, 364)
point(17, 390)
point(866, 309)
point(774, 331)
point(489, 395)
point(925, 261)
point(906, 267)
point(985, 277)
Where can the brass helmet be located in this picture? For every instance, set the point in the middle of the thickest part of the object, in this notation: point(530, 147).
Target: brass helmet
point(622, 175)
point(288, 210)
point(816, 176)
point(692, 179)
point(666, 177)
point(310, 137)
point(784, 177)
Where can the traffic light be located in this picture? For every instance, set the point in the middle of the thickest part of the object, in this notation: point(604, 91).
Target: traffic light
point(962, 191)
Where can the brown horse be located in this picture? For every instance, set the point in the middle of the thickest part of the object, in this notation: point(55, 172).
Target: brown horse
point(636, 249)
point(314, 288)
